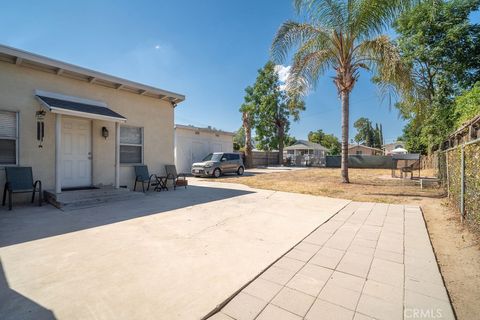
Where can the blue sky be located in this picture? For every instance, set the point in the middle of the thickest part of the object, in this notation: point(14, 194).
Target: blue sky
point(209, 50)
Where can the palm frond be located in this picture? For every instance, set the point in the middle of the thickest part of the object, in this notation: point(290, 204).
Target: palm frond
point(330, 14)
point(308, 66)
point(373, 17)
point(383, 57)
point(292, 34)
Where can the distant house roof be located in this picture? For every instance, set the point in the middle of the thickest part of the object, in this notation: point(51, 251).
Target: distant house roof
point(350, 146)
point(394, 144)
point(207, 129)
point(63, 69)
point(304, 144)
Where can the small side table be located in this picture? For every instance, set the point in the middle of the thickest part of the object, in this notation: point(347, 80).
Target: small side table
point(161, 183)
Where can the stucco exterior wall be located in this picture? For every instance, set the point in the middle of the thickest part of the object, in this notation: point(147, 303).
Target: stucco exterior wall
point(191, 147)
point(17, 93)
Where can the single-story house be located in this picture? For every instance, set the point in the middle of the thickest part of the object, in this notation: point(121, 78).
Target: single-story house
point(389, 147)
point(305, 153)
point(192, 144)
point(358, 149)
point(76, 127)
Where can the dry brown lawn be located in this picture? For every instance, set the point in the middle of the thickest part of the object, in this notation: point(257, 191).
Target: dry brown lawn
point(456, 247)
point(374, 185)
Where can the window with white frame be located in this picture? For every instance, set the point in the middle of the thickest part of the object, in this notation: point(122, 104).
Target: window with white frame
point(8, 138)
point(131, 145)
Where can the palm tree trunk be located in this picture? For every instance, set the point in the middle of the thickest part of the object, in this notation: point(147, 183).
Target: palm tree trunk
point(248, 140)
point(345, 96)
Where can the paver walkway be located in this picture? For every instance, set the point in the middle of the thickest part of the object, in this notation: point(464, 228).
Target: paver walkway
point(368, 261)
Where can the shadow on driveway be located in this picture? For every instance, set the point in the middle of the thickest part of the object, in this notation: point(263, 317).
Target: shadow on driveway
point(13, 305)
point(27, 223)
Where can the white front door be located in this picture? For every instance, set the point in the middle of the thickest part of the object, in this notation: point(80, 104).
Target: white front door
point(76, 152)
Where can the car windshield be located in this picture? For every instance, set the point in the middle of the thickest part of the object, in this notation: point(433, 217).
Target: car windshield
point(213, 157)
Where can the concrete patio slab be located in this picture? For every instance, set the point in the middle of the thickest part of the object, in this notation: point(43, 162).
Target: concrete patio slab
point(173, 255)
point(373, 261)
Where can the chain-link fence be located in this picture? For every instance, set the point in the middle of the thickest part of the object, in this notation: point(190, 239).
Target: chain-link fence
point(459, 170)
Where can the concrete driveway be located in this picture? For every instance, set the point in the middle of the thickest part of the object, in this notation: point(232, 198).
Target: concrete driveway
point(174, 255)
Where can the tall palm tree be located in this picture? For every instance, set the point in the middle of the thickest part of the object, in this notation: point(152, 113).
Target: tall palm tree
point(247, 126)
point(346, 36)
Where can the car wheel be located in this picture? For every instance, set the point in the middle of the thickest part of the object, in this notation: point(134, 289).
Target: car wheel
point(217, 173)
point(240, 171)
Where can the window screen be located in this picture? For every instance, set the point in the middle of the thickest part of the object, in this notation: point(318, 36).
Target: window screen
point(131, 145)
point(8, 138)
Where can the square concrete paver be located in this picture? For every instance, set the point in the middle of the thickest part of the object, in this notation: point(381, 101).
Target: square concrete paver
point(387, 272)
point(355, 263)
point(327, 257)
point(221, 316)
point(379, 308)
point(294, 301)
point(418, 304)
point(278, 275)
point(347, 281)
point(289, 264)
point(306, 284)
point(263, 289)
point(362, 268)
point(326, 310)
point(244, 307)
point(272, 312)
point(340, 296)
point(298, 254)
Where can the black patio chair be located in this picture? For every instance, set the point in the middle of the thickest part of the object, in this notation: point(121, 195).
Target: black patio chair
point(142, 175)
point(20, 180)
point(179, 180)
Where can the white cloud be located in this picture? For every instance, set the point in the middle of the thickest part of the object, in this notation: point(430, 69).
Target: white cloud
point(157, 47)
point(283, 72)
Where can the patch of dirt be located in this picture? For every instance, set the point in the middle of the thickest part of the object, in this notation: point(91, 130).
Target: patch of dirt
point(458, 255)
point(457, 248)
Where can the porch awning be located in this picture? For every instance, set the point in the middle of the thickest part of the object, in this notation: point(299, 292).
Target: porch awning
point(78, 109)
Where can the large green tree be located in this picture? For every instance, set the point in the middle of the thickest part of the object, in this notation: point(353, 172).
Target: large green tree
point(329, 141)
point(239, 139)
point(442, 47)
point(467, 105)
point(343, 35)
point(366, 134)
point(248, 109)
point(273, 109)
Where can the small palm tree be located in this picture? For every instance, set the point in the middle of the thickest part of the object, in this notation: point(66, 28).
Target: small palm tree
point(346, 36)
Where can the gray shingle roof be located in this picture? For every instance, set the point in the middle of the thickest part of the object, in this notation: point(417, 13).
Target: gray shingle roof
point(80, 107)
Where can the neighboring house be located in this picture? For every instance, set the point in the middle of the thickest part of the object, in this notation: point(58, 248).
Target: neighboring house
point(192, 144)
point(305, 153)
point(77, 127)
point(358, 149)
point(389, 147)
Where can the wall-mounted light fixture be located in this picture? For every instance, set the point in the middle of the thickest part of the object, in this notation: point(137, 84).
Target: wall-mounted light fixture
point(40, 116)
point(105, 132)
